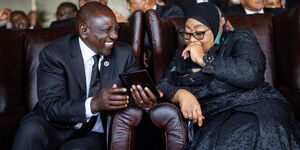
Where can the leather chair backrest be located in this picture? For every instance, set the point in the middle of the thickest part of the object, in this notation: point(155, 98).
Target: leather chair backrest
point(162, 30)
point(287, 48)
point(133, 33)
point(11, 70)
point(163, 42)
point(262, 27)
point(36, 40)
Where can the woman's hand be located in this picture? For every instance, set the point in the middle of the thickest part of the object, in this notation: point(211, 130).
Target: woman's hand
point(189, 106)
point(144, 97)
point(196, 52)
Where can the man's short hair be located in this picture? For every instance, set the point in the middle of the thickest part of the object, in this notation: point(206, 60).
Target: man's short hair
point(87, 12)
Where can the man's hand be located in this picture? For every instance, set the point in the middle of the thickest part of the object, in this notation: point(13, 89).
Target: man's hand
point(189, 106)
point(143, 97)
point(196, 52)
point(109, 99)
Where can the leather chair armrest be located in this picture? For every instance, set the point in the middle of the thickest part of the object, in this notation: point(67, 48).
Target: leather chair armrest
point(167, 117)
point(123, 127)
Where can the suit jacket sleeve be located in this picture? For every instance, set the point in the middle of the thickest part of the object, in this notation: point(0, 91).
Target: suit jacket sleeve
point(52, 93)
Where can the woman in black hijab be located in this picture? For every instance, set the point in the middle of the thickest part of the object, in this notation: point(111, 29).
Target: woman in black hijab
point(218, 82)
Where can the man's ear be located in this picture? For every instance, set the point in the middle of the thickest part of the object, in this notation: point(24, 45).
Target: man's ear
point(83, 30)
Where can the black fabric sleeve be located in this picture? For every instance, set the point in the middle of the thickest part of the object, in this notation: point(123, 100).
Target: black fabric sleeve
point(245, 66)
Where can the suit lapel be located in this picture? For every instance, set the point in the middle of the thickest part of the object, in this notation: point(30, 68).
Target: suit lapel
point(106, 72)
point(77, 62)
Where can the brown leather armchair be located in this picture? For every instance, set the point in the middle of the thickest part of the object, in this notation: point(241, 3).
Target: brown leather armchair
point(278, 36)
point(287, 50)
point(19, 60)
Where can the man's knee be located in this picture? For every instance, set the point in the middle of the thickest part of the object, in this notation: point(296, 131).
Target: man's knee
point(32, 131)
point(32, 127)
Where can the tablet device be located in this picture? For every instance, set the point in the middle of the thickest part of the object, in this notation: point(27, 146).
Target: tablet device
point(139, 77)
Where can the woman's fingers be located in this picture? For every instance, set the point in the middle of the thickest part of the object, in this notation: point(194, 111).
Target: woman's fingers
point(195, 114)
point(136, 95)
point(200, 118)
point(185, 53)
point(150, 95)
point(161, 94)
point(185, 114)
point(143, 95)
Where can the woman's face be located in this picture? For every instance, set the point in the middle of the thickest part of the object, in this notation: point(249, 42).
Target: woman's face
point(204, 35)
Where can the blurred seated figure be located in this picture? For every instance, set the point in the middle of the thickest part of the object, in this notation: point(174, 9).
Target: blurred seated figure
point(65, 11)
point(248, 7)
point(19, 20)
point(165, 11)
point(33, 19)
point(5, 16)
point(120, 18)
point(65, 15)
point(163, 8)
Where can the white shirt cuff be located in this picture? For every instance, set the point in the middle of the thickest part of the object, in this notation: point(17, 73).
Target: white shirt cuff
point(88, 111)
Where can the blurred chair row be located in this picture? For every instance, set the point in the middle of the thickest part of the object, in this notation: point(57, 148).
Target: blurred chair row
point(278, 35)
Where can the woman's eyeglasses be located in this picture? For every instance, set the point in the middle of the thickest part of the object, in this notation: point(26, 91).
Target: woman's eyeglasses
point(196, 35)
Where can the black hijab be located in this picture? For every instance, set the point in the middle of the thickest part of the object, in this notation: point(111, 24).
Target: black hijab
point(208, 14)
point(183, 74)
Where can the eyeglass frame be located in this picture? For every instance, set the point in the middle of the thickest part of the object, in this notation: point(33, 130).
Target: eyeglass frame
point(193, 34)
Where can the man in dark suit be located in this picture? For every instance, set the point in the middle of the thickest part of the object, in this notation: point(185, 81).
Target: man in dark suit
point(74, 96)
point(249, 7)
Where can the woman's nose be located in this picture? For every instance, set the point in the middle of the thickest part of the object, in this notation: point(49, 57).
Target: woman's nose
point(193, 39)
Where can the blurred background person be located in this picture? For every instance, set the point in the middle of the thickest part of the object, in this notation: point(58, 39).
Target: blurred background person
point(19, 20)
point(165, 10)
point(120, 18)
point(65, 15)
point(248, 7)
point(33, 20)
point(5, 16)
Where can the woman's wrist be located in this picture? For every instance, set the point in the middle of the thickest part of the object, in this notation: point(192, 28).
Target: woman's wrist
point(200, 61)
point(176, 98)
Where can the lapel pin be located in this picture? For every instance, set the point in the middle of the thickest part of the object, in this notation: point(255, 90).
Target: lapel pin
point(106, 63)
